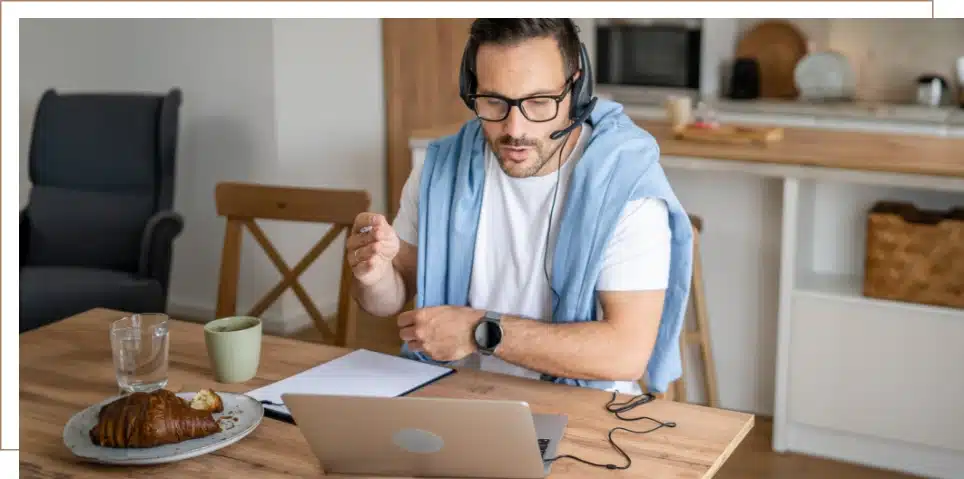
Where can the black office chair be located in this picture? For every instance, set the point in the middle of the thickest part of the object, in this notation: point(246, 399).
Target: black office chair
point(99, 227)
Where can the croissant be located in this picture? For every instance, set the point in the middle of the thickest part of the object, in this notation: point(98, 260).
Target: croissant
point(151, 419)
point(207, 400)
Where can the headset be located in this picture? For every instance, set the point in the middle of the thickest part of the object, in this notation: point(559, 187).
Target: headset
point(582, 102)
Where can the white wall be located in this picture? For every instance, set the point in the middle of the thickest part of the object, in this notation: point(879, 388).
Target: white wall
point(330, 111)
point(275, 101)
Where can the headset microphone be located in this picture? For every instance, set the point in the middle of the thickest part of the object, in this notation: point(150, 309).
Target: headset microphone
point(576, 121)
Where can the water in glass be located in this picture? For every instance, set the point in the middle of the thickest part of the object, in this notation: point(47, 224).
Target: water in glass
point(140, 347)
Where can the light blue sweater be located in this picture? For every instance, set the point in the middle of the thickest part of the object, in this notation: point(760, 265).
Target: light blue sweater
point(620, 164)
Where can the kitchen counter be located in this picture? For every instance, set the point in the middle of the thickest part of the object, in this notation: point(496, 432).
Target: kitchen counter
point(948, 115)
point(850, 150)
point(910, 113)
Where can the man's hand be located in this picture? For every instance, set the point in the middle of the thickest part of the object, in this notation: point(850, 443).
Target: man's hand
point(371, 247)
point(445, 333)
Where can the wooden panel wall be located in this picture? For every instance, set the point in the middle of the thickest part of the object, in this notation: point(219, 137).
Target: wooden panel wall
point(421, 64)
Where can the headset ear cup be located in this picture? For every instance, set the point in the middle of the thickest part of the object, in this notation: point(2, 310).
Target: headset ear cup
point(466, 77)
point(587, 86)
point(582, 87)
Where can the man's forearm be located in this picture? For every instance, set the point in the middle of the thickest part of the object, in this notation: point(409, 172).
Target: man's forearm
point(385, 298)
point(584, 350)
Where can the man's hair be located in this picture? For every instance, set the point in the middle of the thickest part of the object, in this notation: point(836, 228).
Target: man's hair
point(512, 31)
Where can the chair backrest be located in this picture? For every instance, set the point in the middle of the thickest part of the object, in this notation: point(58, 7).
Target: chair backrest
point(243, 203)
point(696, 305)
point(100, 165)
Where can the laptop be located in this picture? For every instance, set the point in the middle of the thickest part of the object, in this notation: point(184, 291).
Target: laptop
point(416, 436)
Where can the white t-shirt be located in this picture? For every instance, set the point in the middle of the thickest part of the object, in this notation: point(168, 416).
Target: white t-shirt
point(509, 268)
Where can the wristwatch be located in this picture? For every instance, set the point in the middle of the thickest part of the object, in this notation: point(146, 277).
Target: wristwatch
point(488, 333)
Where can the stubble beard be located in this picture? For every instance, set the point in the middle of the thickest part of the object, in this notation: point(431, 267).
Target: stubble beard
point(512, 168)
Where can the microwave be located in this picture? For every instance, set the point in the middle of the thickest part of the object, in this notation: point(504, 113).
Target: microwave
point(665, 56)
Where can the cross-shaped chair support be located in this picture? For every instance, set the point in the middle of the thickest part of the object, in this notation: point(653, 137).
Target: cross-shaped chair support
point(242, 203)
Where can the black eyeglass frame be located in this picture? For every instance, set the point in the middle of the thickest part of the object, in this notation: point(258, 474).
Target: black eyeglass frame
point(517, 102)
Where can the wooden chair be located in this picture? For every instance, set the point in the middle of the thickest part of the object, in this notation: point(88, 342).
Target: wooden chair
point(243, 203)
point(700, 334)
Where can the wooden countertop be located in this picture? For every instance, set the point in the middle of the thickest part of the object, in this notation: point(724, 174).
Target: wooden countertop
point(66, 366)
point(851, 150)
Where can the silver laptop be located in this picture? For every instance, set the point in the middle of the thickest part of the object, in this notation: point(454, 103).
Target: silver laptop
point(414, 436)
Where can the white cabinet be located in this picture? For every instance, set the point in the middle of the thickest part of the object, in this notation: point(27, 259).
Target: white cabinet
point(877, 383)
point(861, 379)
point(877, 369)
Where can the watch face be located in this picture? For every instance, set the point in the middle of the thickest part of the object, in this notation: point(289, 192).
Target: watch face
point(488, 335)
point(482, 334)
point(494, 334)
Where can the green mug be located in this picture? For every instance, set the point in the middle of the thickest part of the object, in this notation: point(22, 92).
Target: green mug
point(234, 347)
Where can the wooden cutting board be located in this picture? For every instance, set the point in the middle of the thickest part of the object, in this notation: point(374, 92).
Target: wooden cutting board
point(777, 46)
point(732, 135)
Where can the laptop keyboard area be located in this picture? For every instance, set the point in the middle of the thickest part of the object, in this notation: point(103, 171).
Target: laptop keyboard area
point(543, 444)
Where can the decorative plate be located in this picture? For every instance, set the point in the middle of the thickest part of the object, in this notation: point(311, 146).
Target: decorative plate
point(240, 417)
point(777, 46)
point(825, 76)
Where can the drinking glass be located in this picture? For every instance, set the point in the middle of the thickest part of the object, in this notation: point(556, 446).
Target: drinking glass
point(140, 346)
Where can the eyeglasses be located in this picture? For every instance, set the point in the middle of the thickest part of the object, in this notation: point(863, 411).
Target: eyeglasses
point(537, 108)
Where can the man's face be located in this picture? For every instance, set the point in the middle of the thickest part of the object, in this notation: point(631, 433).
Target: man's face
point(533, 67)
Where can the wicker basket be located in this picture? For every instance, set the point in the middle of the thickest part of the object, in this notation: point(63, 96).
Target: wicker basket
point(915, 255)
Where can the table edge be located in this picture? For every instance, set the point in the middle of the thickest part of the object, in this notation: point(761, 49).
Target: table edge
point(732, 446)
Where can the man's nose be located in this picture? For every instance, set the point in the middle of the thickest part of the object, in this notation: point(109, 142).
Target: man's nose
point(514, 124)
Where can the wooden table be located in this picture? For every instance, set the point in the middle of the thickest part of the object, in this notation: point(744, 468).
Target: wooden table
point(66, 366)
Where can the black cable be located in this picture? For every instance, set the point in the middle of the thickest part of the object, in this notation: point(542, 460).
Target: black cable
point(611, 406)
point(552, 209)
point(616, 409)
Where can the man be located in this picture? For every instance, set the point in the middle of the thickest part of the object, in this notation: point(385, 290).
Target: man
point(543, 239)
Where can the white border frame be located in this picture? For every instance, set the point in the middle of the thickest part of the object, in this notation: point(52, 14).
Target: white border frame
point(12, 12)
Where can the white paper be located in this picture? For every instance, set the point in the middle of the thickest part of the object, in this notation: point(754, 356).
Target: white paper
point(358, 373)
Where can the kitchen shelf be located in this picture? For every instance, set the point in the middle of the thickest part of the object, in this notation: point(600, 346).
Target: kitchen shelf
point(849, 287)
point(829, 285)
